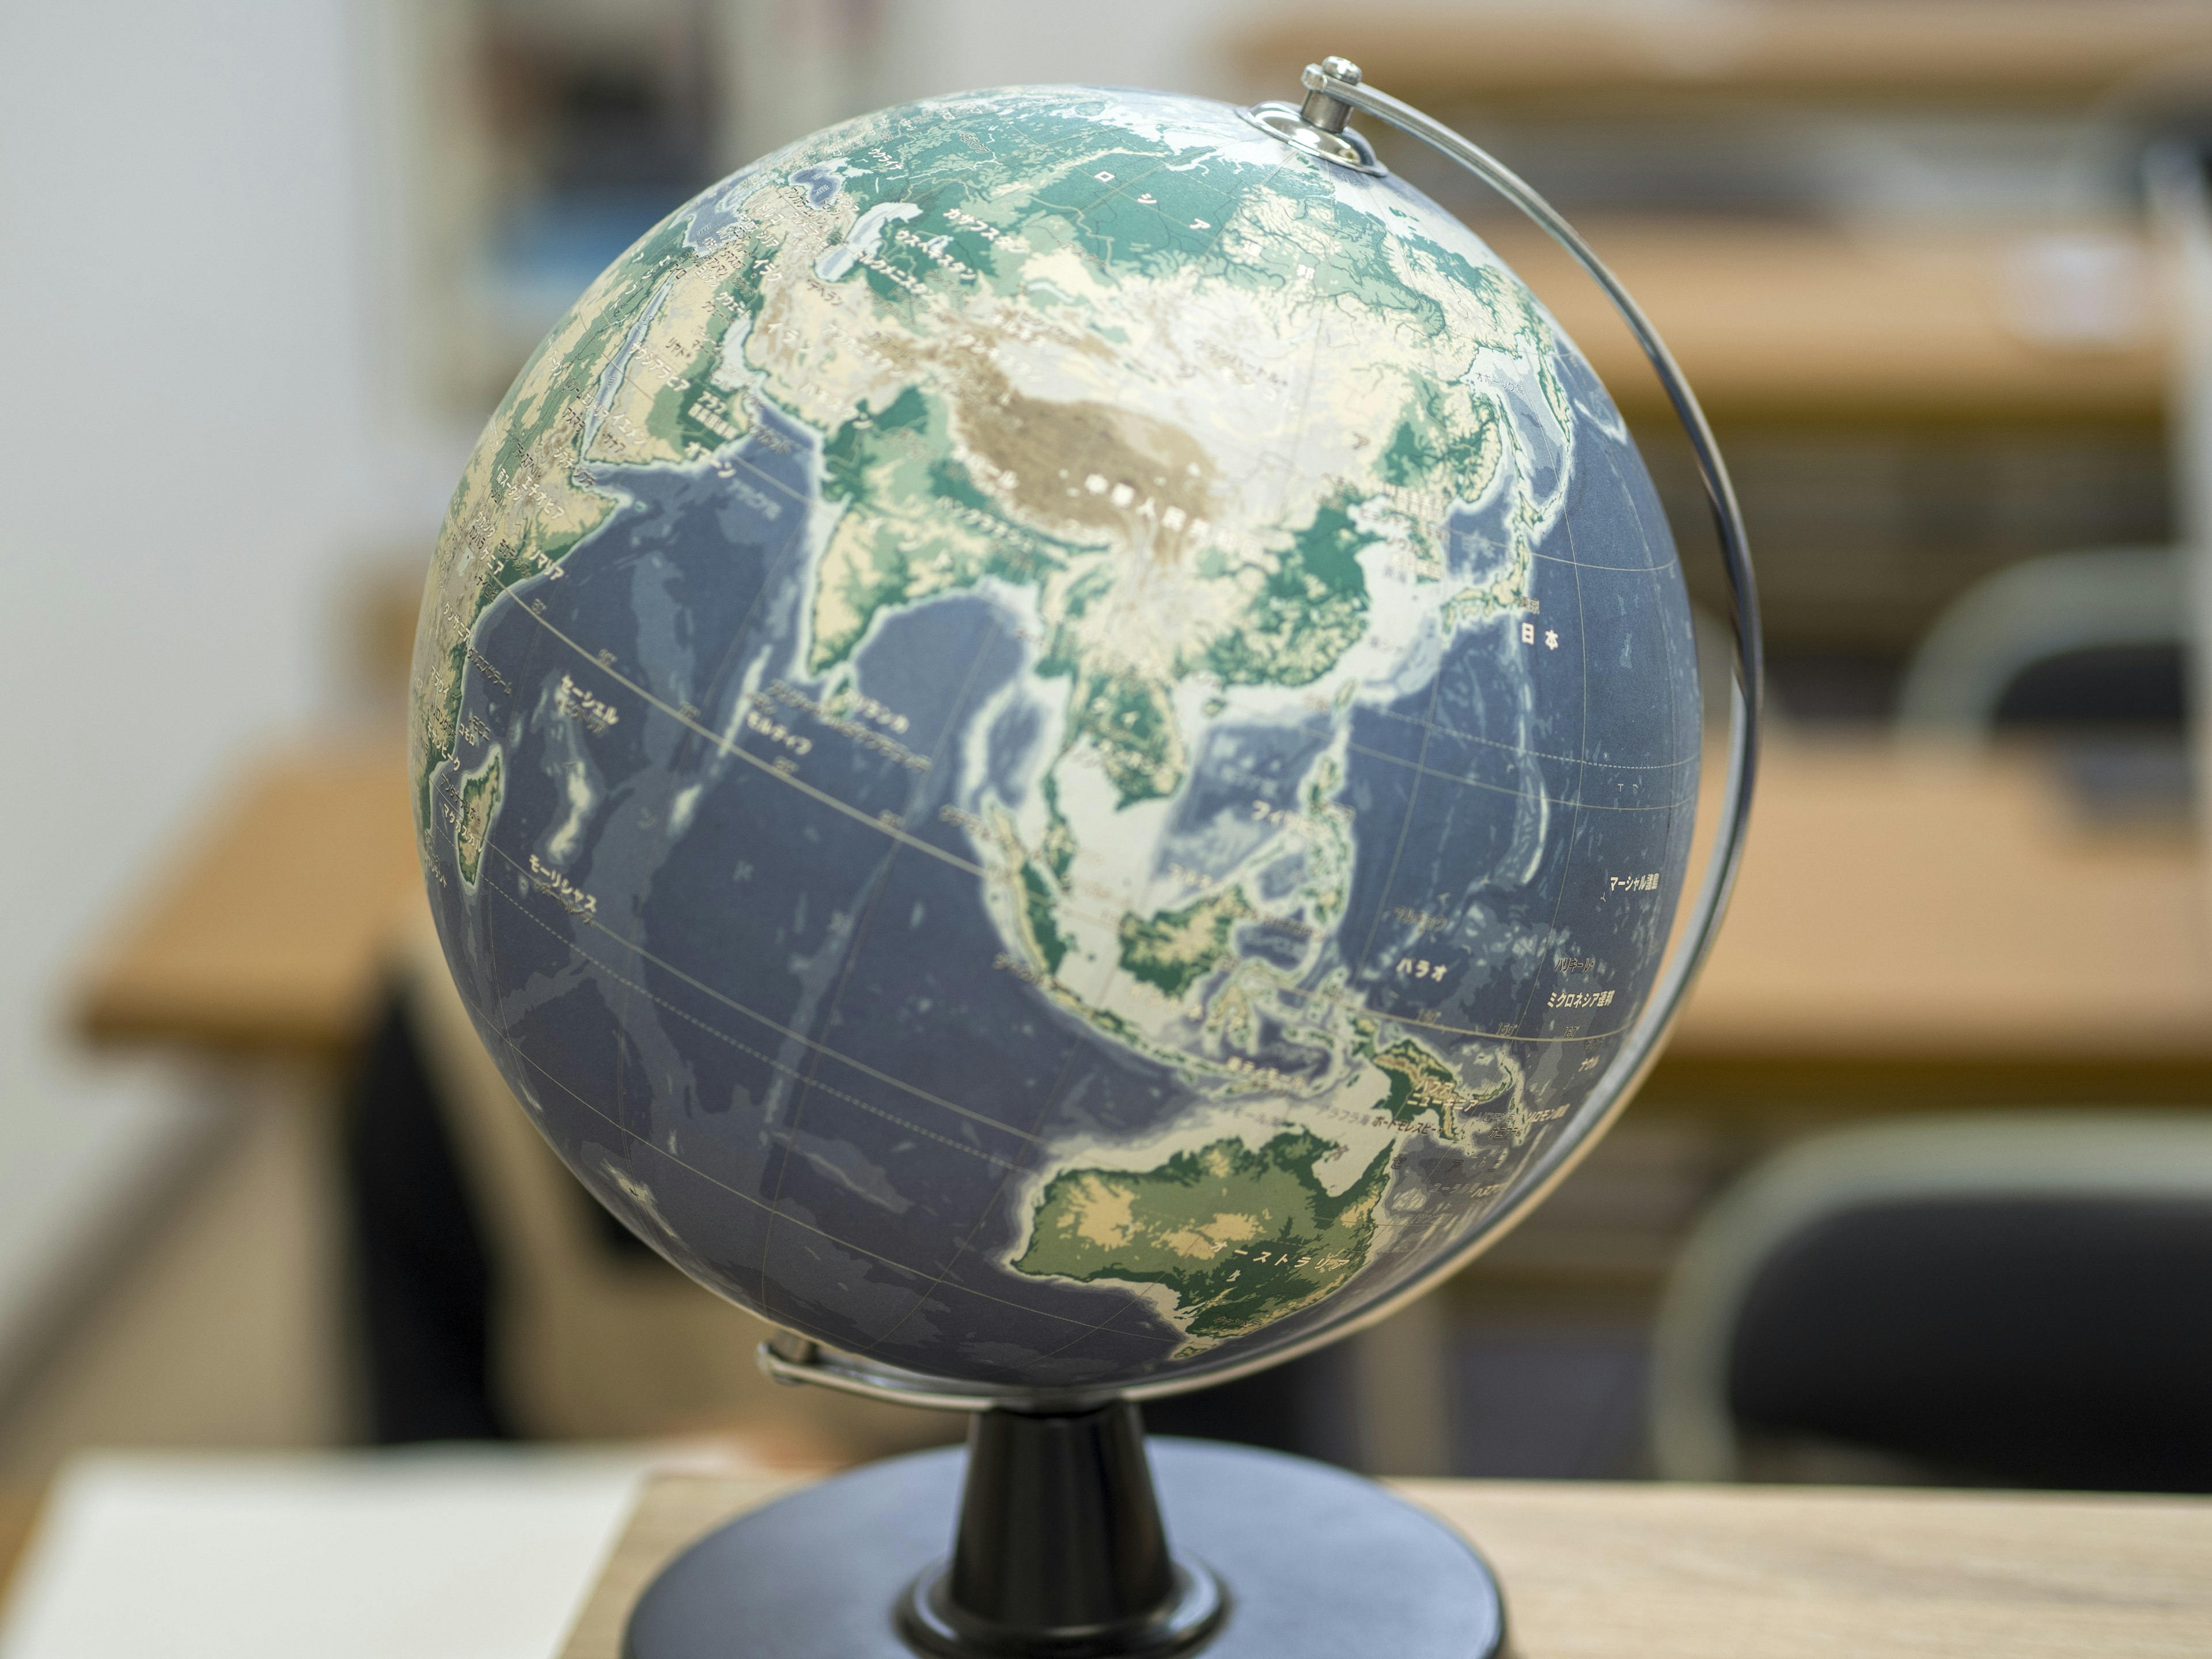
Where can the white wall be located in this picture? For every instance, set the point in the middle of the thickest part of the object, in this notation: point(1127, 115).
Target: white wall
point(795, 65)
point(187, 455)
point(949, 46)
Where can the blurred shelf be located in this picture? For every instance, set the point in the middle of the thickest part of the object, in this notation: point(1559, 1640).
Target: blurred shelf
point(1793, 321)
point(2003, 52)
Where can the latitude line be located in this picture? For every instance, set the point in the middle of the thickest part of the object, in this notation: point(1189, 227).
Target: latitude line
point(491, 947)
point(1533, 754)
point(1582, 762)
point(1666, 638)
point(1503, 789)
point(707, 687)
point(976, 870)
point(1584, 564)
point(1051, 1095)
point(731, 1002)
point(768, 1060)
point(983, 1211)
point(754, 1200)
point(819, 1051)
point(876, 822)
point(1134, 1303)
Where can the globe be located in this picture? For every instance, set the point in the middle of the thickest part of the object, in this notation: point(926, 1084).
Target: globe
point(1053, 742)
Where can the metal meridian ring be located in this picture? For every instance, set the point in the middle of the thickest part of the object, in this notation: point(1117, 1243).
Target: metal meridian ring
point(810, 1364)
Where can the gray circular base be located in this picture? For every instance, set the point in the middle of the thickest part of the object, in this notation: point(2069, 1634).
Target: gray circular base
point(1314, 1561)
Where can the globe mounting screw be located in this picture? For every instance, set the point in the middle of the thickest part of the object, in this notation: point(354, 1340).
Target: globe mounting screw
point(1319, 109)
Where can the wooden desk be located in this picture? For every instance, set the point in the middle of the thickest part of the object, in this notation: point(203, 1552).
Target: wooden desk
point(1597, 1572)
point(1931, 916)
point(266, 931)
point(1940, 927)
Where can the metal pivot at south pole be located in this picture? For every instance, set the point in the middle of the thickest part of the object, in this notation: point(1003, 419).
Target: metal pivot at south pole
point(1056, 738)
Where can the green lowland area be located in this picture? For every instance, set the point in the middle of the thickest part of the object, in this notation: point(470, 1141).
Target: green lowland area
point(1310, 610)
point(1037, 898)
point(1175, 949)
point(995, 191)
point(1242, 1237)
point(923, 526)
point(479, 805)
point(1130, 720)
point(1440, 442)
point(1422, 1084)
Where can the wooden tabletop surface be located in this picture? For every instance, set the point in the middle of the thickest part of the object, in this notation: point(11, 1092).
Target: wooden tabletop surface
point(1897, 907)
point(1932, 903)
point(265, 928)
point(1593, 1571)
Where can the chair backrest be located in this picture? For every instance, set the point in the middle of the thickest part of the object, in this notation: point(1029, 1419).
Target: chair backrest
point(2005, 1300)
point(2032, 612)
point(2181, 214)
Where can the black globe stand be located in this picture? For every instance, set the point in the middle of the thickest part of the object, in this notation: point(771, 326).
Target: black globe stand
point(1060, 1549)
point(1060, 1553)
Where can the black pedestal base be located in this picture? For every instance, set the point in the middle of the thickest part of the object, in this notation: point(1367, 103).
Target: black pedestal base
point(935, 1626)
point(1311, 1561)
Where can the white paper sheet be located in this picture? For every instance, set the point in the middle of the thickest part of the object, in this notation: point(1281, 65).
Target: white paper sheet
point(412, 1555)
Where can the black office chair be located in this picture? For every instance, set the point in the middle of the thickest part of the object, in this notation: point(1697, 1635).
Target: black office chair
point(2011, 1301)
point(2080, 640)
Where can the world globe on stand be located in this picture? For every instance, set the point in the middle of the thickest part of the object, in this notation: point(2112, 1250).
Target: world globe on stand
point(1055, 743)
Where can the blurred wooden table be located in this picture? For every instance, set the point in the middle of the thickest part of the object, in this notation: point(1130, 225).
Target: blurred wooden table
point(1599, 1571)
point(1930, 927)
point(1911, 928)
point(266, 931)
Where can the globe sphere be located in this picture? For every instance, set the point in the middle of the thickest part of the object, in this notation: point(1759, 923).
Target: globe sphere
point(1054, 743)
